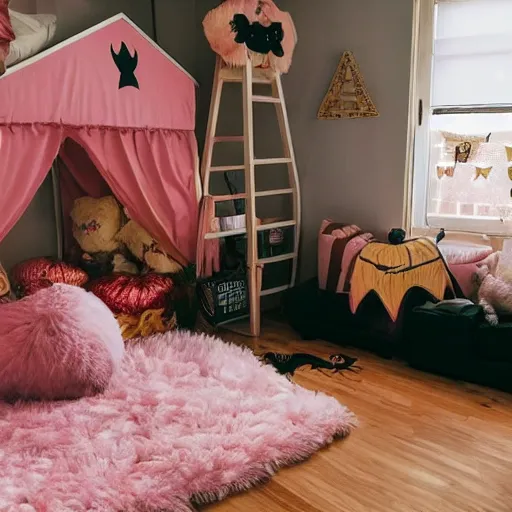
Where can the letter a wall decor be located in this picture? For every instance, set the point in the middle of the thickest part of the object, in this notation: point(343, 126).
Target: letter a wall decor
point(347, 96)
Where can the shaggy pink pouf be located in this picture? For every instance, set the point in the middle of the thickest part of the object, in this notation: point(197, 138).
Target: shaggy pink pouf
point(187, 419)
point(61, 342)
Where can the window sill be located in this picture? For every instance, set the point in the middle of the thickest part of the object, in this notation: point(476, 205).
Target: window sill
point(458, 235)
point(492, 226)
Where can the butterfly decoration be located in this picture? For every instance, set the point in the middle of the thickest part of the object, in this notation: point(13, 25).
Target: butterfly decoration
point(444, 170)
point(483, 171)
point(508, 149)
point(510, 172)
point(462, 152)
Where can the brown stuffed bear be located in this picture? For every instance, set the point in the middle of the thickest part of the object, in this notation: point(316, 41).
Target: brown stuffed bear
point(96, 223)
point(146, 249)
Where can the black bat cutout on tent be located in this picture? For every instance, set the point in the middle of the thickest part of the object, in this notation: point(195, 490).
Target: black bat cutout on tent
point(258, 38)
point(126, 64)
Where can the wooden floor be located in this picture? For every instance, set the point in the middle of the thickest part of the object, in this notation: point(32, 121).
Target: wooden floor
point(424, 443)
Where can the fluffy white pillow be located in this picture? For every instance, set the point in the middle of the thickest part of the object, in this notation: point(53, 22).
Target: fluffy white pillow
point(33, 33)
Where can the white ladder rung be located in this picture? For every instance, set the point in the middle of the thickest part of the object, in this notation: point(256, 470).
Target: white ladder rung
point(227, 168)
point(277, 259)
point(272, 291)
point(276, 192)
point(277, 225)
point(229, 138)
point(225, 234)
point(229, 197)
point(259, 76)
point(265, 99)
point(272, 161)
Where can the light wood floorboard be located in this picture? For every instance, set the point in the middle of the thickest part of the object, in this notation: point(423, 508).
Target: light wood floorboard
point(424, 444)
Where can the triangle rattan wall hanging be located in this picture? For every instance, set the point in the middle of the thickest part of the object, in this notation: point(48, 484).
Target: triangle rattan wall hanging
point(347, 96)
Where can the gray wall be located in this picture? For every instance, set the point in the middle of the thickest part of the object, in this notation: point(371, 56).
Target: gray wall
point(351, 170)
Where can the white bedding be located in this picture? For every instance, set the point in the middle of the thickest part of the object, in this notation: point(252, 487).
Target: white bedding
point(33, 33)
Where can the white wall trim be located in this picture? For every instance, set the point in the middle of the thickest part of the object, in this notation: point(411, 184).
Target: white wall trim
point(421, 133)
point(412, 118)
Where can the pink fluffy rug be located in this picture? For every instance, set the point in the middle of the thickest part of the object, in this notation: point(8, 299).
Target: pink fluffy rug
point(185, 421)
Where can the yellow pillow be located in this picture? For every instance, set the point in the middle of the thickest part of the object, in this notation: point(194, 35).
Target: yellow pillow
point(146, 249)
point(96, 223)
point(5, 286)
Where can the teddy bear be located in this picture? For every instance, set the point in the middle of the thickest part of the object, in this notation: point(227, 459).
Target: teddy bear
point(110, 247)
point(494, 293)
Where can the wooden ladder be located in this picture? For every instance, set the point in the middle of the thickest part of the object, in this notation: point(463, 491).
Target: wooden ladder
point(247, 76)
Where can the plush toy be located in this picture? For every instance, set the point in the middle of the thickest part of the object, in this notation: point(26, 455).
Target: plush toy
point(258, 26)
point(123, 266)
point(96, 223)
point(146, 249)
point(494, 294)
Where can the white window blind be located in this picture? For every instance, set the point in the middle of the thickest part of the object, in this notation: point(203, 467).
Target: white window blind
point(473, 53)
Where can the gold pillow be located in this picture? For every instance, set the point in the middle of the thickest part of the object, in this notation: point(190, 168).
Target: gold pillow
point(5, 286)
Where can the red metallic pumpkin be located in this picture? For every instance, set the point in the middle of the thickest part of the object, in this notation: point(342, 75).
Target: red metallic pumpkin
point(33, 275)
point(132, 295)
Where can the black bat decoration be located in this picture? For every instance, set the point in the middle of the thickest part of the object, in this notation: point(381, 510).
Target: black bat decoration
point(258, 38)
point(287, 364)
point(126, 64)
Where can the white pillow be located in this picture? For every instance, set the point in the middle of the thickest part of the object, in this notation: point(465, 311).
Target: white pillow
point(33, 33)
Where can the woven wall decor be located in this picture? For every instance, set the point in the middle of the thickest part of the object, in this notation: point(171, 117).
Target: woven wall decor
point(347, 96)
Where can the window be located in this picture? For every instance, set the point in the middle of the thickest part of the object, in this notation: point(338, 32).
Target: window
point(462, 165)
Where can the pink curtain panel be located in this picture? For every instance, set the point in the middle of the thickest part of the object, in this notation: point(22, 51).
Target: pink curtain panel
point(6, 32)
point(141, 142)
point(221, 37)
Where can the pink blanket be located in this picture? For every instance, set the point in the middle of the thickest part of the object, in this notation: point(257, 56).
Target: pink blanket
point(6, 32)
point(338, 246)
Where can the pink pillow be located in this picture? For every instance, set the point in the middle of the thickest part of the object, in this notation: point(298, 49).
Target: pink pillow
point(60, 343)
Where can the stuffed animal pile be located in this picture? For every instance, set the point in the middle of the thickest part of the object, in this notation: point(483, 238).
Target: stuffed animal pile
point(128, 267)
point(112, 242)
point(119, 262)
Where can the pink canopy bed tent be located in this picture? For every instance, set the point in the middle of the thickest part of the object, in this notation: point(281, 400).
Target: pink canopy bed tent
point(120, 115)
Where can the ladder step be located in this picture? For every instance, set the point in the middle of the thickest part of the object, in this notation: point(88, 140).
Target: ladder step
point(272, 161)
point(272, 291)
point(219, 199)
point(276, 225)
point(277, 259)
point(276, 192)
point(265, 99)
point(225, 234)
point(259, 76)
point(227, 168)
point(229, 138)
